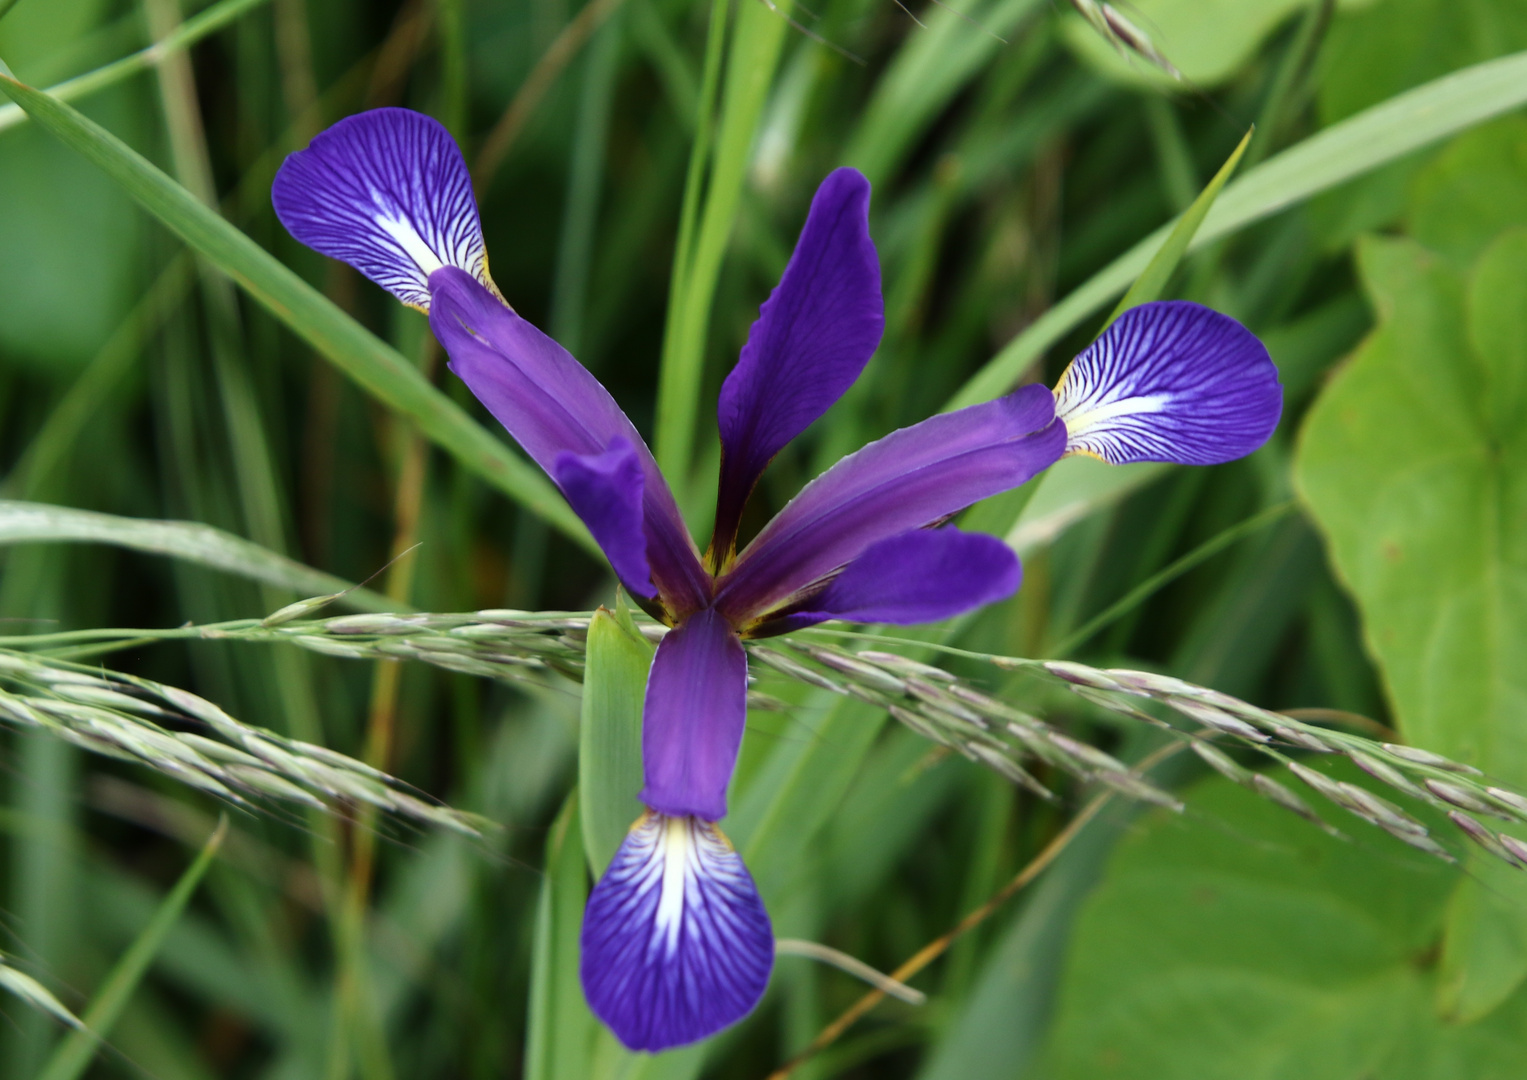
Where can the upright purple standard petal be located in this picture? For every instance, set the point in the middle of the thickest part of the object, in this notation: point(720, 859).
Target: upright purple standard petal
point(1170, 381)
point(915, 577)
point(387, 192)
point(605, 490)
point(813, 337)
point(696, 709)
point(676, 944)
point(552, 405)
point(911, 478)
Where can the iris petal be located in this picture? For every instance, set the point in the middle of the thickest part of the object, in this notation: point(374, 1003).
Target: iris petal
point(1170, 381)
point(812, 338)
point(387, 192)
point(694, 716)
point(605, 490)
point(916, 577)
point(676, 944)
point(911, 478)
point(552, 405)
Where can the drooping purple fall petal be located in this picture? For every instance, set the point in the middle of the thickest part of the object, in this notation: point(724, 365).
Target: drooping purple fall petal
point(387, 192)
point(812, 338)
point(693, 719)
point(676, 944)
point(552, 405)
point(919, 576)
point(911, 478)
point(1170, 381)
point(605, 490)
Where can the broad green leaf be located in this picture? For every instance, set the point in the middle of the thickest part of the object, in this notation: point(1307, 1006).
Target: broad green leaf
point(610, 733)
point(1473, 191)
point(26, 522)
point(1207, 40)
point(1324, 160)
point(1239, 943)
point(1414, 464)
point(1373, 54)
point(377, 367)
point(561, 1030)
point(76, 1052)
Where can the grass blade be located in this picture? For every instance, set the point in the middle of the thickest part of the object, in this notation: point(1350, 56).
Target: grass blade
point(610, 734)
point(377, 367)
point(1152, 283)
point(28, 522)
point(73, 1057)
point(187, 34)
point(561, 1031)
point(1374, 137)
point(36, 995)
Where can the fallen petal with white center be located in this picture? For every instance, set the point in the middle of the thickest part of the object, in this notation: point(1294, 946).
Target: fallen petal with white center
point(676, 944)
point(1170, 381)
point(387, 192)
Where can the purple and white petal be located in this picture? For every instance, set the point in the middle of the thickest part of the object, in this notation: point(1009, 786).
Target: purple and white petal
point(916, 577)
point(605, 490)
point(1170, 381)
point(812, 338)
point(387, 192)
point(552, 405)
point(676, 944)
point(911, 478)
point(693, 718)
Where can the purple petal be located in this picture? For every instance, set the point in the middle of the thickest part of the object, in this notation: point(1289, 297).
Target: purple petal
point(387, 192)
point(916, 577)
point(605, 490)
point(911, 478)
point(692, 722)
point(552, 406)
point(813, 336)
point(1170, 381)
point(676, 944)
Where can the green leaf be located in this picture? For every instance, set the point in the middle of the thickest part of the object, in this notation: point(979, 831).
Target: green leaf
point(1473, 191)
point(610, 733)
point(1207, 40)
point(1337, 154)
point(1414, 464)
point(561, 1031)
point(74, 1055)
point(1246, 944)
point(27, 522)
point(375, 366)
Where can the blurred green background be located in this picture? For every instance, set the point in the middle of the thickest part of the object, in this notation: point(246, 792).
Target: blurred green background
point(1014, 154)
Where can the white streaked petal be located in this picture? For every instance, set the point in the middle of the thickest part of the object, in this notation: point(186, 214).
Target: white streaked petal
point(676, 943)
point(387, 192)
point(1170, 381)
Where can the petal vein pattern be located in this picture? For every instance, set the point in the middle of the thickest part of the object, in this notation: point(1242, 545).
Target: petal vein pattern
point(1170, 381)
point(911, 478)
point(676, 944)
point(387, 192)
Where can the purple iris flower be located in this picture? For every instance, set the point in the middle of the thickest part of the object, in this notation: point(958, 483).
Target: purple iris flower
point(676, 943)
